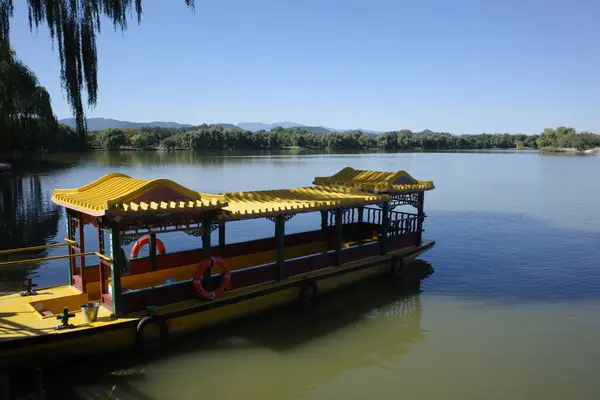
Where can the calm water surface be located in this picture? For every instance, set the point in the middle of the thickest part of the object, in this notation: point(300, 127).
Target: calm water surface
point(507, 305)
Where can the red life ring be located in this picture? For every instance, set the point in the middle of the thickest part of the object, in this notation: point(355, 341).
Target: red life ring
point(203, 266)
point(141, 242)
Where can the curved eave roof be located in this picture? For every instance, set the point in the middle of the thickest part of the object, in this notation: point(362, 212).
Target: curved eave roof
point(375, 181)
point(267, 203)
point(122, 195)
point(119, 194)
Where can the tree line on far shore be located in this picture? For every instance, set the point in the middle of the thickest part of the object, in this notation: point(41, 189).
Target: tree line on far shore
point(215, 137)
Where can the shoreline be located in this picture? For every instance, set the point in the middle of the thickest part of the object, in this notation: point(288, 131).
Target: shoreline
point(6, 158)
point(570, 150)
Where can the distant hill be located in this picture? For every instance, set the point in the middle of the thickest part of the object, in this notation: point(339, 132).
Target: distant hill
point(229, 126)
point(354, 130)
point(258, 126)
point(315, 129)
point(98, 124)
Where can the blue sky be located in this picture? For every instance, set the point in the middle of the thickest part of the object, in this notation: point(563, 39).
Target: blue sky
point(457, 66)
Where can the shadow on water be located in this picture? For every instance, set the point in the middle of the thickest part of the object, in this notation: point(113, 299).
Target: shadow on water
point(393, 301)
point(392, 305)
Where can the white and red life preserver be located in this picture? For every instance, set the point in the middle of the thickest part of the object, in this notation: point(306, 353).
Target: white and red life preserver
point(203, 266)
point(141, 242)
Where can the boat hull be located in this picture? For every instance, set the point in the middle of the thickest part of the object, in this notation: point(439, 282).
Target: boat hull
point(193, 316)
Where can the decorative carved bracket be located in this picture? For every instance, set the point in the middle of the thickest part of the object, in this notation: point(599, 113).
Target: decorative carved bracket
point(286, 218)
point(198, 232)
point(194, 232)
point(401, 199)
point(130, 239)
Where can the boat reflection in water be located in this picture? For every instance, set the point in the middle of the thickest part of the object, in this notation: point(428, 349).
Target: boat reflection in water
point(281, 354)
point(27, 218)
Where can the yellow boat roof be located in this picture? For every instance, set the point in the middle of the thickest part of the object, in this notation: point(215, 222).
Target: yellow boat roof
point(375, 181)
point(265, 203)
point(119, 194)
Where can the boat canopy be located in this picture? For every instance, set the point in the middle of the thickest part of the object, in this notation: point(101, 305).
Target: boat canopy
point(122, 195)
point(267, 203)
point(119, 194)
point(375, 181)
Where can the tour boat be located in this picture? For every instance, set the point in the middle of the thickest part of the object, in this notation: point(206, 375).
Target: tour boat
point(132, 301)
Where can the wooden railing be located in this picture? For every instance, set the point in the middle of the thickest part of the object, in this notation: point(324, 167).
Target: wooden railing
point(369, 214)
point(403, 225)
point(400, 223)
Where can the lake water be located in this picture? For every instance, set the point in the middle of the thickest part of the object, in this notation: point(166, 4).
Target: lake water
point(507, 304)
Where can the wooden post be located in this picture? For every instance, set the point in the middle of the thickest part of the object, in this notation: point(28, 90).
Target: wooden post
point(206, 224)
point(101, 267)
point(421, 217)
point(153, 250)
point(70, 236)
point(117, 256)
point(280, 240)
point(81, 246)
point(323, 220)
point(385, 221)
point(338, 236)
point(222, 239)
point(206, 247)
point(101, 250)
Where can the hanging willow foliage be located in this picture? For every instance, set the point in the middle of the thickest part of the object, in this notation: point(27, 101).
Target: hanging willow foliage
point(25, 109)
point(73, 24)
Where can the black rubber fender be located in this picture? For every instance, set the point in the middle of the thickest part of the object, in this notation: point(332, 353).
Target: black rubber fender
point(397, 266)
point(146, 321)
point(308, 292)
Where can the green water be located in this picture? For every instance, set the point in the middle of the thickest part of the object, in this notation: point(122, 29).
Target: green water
point(507, 305)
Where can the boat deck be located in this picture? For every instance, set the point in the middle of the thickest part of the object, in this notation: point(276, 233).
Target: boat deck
point(19, 317)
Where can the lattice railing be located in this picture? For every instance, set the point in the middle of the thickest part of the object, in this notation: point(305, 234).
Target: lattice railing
point(400, 223)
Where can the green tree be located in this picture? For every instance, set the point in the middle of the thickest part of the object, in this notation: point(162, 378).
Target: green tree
point(112, 139)
point(27, 121)
point(547, 138)
point(73, 25)
point(169, 143)
point(387, 140)
point(139, 141)
point(216, 137)
point(582, 142)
